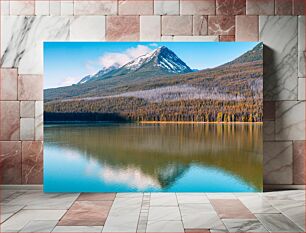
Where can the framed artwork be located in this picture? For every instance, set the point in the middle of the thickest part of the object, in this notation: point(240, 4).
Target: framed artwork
point(153, 116)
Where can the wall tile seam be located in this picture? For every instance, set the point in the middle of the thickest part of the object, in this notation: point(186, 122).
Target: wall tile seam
point(192, 16)
point(289, 100)
point(160, 27)
point(73, 14)
point(179, 5)
point(61, 14)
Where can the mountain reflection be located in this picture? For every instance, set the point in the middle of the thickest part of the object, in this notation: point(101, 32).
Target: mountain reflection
point(157, 155)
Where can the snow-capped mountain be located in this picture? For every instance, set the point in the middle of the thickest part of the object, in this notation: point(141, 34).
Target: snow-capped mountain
point(85, 79)
point(161, 61)
point(163, 58)
point(148, 76)
point(97, 75)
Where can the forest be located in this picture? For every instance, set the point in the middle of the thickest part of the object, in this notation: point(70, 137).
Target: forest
point(135, 109)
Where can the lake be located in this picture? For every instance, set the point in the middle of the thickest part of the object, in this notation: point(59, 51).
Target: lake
point(129, 157)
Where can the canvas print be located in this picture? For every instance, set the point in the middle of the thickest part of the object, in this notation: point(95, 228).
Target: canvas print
point(153, 116)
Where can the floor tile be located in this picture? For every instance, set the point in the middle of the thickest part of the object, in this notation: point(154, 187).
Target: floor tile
point(127, 202)
point(164, 212)
point(96, 197)
point(165, 226)
point(122, 219)
point(294, 210)
point(204, 220)
point(9, 210)
point(277, 223)
point(129, 195)
point(39, 226)
point(218, 227)
point(297, 195)
point(231, 208)
point(86, 213)
point(163, 199)
point(189, 198)
point(257, 205)
point(246, 194)
point(23, 217)
point(217, 231)
point(161, 213)
point(220, 196)
point(6, 193)
point(75, 229)
point(187, 208)
point(286, 205)
point(200, 216)
point(39, 200)
point(244, 225)
point(124, 214)
point(9, 198)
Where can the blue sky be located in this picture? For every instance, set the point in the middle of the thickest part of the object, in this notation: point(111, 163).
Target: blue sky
point(66, 63)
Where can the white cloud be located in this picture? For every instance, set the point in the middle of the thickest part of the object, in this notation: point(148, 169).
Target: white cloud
point(133, 177)
point(92, 67)
point(69, 81)
point(120, 59)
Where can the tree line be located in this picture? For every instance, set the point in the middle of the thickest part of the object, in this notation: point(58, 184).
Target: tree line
point(136, 109)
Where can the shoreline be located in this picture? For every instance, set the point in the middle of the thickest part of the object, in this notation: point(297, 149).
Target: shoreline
point(46, 123)
point(197, 122)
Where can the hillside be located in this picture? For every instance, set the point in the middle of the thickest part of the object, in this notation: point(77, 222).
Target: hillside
point(231, 92)
point(255, 54)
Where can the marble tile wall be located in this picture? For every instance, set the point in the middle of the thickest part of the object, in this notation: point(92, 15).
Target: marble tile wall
point(25, 24)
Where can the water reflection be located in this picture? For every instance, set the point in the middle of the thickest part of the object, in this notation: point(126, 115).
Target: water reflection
point(153, 157)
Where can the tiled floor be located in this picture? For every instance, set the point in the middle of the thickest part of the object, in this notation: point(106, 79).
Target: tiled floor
point(35, 211)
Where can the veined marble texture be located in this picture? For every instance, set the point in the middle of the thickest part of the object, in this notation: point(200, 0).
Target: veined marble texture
point(294, 210)
point(269, 130)
point(166, 7)
point(290, 120)
point(277, 163)
point(280, 37)
point(87, 28)
point(39, 122)
point(22, 40)
point(278, 223)
point(301, 47)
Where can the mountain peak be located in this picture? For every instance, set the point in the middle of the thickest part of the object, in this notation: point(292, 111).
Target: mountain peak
point(162, 48)
point(168, 60)
point(163, 58)
point(161, 61)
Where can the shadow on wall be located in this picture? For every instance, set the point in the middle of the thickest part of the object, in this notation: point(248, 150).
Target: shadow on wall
point(268, 73)
point(83, 116)
point(270, 84)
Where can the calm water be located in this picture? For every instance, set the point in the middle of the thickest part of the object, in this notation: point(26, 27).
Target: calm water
point(153, 157)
